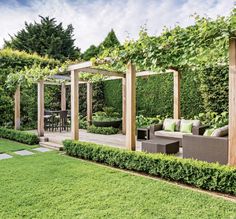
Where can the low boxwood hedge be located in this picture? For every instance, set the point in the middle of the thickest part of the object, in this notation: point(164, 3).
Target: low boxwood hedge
point(19, 136)
point(102, 130)
point(209, 176)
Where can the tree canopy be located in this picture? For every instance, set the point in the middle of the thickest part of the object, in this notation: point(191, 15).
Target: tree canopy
point(109, 42)
point(46, 38)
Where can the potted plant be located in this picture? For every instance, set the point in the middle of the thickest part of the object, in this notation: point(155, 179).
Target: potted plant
point(107, 118)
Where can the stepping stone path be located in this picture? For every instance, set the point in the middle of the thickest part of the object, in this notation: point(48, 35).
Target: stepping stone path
point(5, 156)
point(23, 153)
point(41, 149)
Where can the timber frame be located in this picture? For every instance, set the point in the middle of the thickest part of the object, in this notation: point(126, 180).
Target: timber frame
point(128, 98)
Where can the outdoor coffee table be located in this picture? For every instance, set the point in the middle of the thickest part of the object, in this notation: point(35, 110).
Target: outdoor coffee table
point(143, 133)
point(161, 145)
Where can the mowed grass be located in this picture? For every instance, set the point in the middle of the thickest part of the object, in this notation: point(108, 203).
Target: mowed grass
point(11, 146)
point(52, 185)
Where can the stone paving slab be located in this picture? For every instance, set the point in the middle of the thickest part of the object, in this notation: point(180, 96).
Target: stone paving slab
point(24, 152)
point(5, 156)
point(41, 149)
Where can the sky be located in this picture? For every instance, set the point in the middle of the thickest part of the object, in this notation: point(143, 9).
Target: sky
point(93, 19)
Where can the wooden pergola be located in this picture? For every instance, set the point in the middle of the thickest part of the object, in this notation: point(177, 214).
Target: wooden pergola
point(128, 99)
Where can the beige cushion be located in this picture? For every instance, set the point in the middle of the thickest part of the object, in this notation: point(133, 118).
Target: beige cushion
point(196, 123)
point(177, 123)
point(221, 132)
point(167, 134)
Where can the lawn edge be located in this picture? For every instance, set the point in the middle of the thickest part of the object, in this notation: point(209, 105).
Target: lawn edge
point(224, 196)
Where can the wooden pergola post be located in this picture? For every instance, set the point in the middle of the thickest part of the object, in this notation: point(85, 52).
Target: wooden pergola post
point(124, 105)
point(17, 108)
point(63, 96)
point(131, 107)
point(232, 102)
point(74, 105)
point(177, 111)
point(89, 102)
point(41, 108)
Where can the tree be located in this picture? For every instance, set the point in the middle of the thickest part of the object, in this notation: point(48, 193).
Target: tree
point(109, 42)
point(92, 51)
point(46, 38)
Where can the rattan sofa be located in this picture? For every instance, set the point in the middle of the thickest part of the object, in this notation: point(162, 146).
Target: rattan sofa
point(157, 131)
point(210, 149)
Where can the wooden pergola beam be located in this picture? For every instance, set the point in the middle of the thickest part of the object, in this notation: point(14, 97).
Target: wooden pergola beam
point(232, 103)
point(60, 77)
point(79, 66)
point(131, 107)
point(102, 72)
point(74, 105)
point(89, 102)
point(17, 108)
point(177, 111)
point(147, 73)
point(41, 108)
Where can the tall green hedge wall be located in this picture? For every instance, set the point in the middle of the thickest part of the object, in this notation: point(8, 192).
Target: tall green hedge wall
point(202, 90)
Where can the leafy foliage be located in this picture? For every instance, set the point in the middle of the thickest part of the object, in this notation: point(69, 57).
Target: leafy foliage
point(203, 175)
point(12, 62)
point(214, 87)
point(213, 119)
point(102, 130)
point(178, 48)
point(155, 95)
point(108, 114)
point(46, 38)
point(198, 52)
point(91, 52)
point(19, 136)
point(142, 121)
point(83, 124)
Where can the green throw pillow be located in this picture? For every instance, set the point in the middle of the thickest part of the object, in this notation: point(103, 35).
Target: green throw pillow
point(208, 132)
point(186, 127)
point(170, 127)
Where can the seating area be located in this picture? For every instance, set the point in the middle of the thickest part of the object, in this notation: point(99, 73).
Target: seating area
point(56, 120)
point(192, 136)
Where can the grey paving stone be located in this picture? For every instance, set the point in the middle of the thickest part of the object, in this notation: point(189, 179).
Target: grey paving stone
point(41, 149)
point(24, 153)
point(5, 156)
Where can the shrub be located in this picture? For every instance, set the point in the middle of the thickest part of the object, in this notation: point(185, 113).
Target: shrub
point(19, 136)
point(142, 121)
point(204, 175)
point(108, 114)
point(83, 124)
point(213, 119)
point(102, 130)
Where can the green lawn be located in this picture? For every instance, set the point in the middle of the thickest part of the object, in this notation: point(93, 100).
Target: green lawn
point(52, 185)
point(9, 146)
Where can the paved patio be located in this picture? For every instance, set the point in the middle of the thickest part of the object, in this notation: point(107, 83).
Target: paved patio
point(117, 140)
